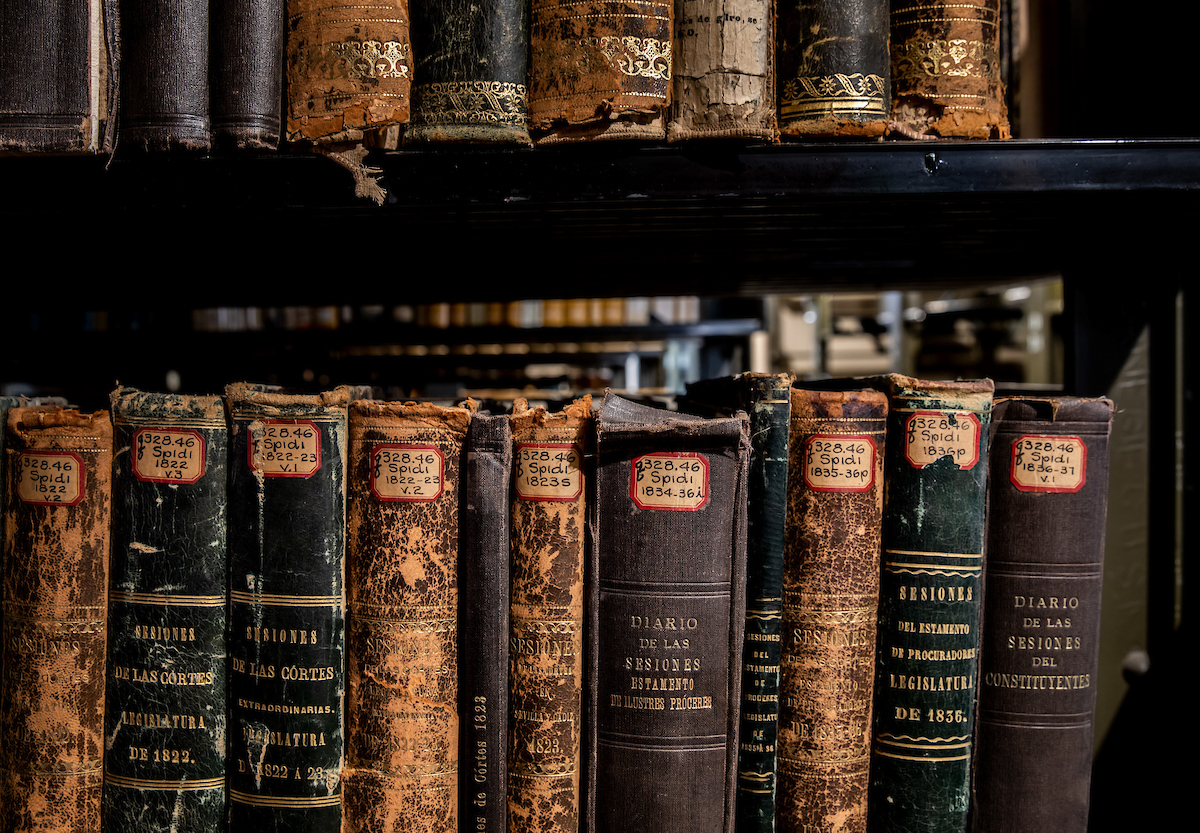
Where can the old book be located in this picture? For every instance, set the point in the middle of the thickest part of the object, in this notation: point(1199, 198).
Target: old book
point(164, 75)
point(472, 73)
point(546, 673)
point(946, 69)
point(165, 708)
point(286, 541)
point(834, 69)
point(927, 658)
point(402, 690)
point(55, 614)
point(1041, 613)
point(830, 607)
point(666, 619)
point(58, 74)
point(723, 71)
point(246, 73)
point(599, 69)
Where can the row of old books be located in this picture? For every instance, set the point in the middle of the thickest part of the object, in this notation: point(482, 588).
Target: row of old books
point(190, 75)
point(776, 606)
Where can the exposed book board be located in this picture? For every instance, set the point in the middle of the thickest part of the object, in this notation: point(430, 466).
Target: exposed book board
point(667, 619)
point(246, 73)
point(405, 482)
point(165, 707)
point(546, 658)
point(55, 613)
point(286, 505)
point(1041, 614)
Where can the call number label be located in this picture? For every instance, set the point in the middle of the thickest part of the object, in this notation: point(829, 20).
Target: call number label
point(285, 447)
point(1048, 464)
point(839, 463)
point(548, 471)
point(52, 478)
point(407, 472)
point(168, 455)
point(931, 435)
point(669, 480)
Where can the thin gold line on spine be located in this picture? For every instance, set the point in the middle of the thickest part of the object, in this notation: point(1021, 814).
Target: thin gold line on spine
point(166, 599)
point(168, 424)
point(166, 786)
point(285, 802)
point(935, 554)
point(272, 600)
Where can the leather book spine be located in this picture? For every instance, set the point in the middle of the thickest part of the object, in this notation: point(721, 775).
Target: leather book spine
point(246, 75)
point(946, 69)
point(164, 75)
point(349, 69)
point(405, 487)
point(472, 73)
point(286, 541)
point(600, 69)
point(55, 614)
point(1041, 614)
point(483, 625)
point(830, 608)
point(546, 673)
point(927, 659)
point(165, 710)
point(834, 69)
point(724, 71)
point(667, 621)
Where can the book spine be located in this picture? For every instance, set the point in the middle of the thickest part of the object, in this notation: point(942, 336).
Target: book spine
point(403, 681)
point(834, 69)
point(724, 70)
point(286, 640)
point(668, 619)
point(55, 616)
point(165, 710)
point(830, 608)
point(927, 662)
point(246, 77)
point(483, 624)
point(547, 635)
point(1041, 614)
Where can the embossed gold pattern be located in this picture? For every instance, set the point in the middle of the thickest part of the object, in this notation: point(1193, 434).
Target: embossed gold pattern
point(472, 102)
point(633, 56)
point(353, 60)
point(952, 58)
point(840, 92)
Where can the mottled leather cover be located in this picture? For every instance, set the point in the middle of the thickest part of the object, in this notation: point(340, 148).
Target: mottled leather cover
point(1041, 614)
point(830, 607)
point(165, 713)
point(927, 662)
point(246, 73)
point(287, 495)
point(402, 698)
point(667, 619)
point(55, 613)
point(834, 69)
point(546, 669)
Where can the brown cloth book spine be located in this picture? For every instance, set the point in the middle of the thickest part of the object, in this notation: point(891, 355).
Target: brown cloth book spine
point(830, 608)
point(55, 596)
point(946, 69)
point(546, 621)
point(402, 757)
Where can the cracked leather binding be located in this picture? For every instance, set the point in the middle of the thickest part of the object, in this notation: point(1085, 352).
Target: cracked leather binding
point(667, 619)
point(246, 75)
point(546, 647)
point(287, 495)
point(405, 484)
point(55, 613)
point(830, 607)
point(927, 659)
point(165, 712)
point(1041, 614)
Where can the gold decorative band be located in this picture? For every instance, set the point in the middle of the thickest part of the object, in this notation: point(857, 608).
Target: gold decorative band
point(197, 785)
point(916, 60)
point(285, 801)
point(167, 423)
point(633, 56)
point(471, 102)
point(353, 60)
point(166, 600)
point(272, 600)
point(840, 93)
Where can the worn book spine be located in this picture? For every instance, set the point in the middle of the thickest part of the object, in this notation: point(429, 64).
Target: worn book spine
point(830, 608)
point(55, 614)
point(667, 619)
point(723, 71)
point(1041, 614)
point(834, 69)
point(349, 69)
point(164, 75)
point(165, 711)
point(946, 69)
point(927, 659)
point(286, 541)
point(472, 73)
point(483, 624)
point(402, 695)
point(246, 75)
point(546, 671)
point(600, 69)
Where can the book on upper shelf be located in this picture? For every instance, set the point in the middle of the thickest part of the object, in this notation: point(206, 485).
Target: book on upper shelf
point(1048, 500)
point(246, 73)
point(667, 617)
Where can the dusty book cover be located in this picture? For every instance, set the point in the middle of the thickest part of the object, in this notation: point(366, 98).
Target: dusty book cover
point(246, 73)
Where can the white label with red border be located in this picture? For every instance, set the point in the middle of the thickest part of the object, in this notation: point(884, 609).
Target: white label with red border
point(548, 471)
point(839, 463)
point(285, 447)
point(52, 478)
point(408, 472)
point(930, 436)
point(168, 455)
point(670, 480)
point(1043, 463)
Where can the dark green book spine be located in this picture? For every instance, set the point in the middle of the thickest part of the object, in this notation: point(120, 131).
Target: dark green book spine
point(930, 594)
point(165, 715)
